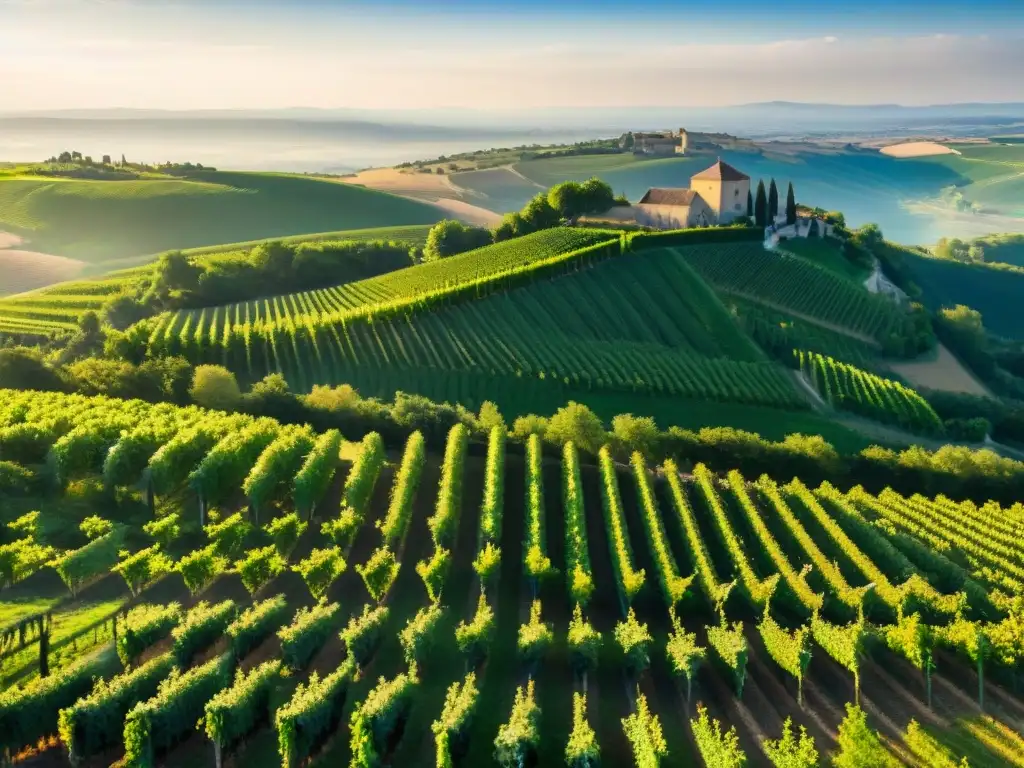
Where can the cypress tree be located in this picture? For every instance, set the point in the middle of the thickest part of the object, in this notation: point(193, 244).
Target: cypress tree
point(750, 205)
point(761, 206)
point(773, 202)
point(790, 205)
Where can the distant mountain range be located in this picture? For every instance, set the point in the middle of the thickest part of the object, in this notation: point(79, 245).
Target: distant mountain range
point(755, 120)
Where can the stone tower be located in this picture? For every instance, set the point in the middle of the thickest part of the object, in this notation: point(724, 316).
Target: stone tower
point(684, 140)
point(724, 189)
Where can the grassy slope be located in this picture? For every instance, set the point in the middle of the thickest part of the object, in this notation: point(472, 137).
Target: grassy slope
point(996, 293)
point(103, 220)
point(413, 234)
point(1006, 248)
point(825, 253)
point(64, 303)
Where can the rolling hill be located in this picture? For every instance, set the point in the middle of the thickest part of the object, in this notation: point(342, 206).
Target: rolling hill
point(58, 307)
point(619, 323)
point(994, 292)
point(97, 221)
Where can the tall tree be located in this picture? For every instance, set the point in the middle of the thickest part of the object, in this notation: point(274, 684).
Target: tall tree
point(750, 204)
point(761, 206)
point(773, 202)
point(790, 205)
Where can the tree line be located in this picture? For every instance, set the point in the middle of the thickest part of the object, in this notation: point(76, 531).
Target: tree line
point(956, 471)
point(562, 203)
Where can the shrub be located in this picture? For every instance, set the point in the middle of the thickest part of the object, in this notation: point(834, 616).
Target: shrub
point(321, 569)
point(475, 638)
point(635, 641)
point(307, 633)
point(164, 530)
point(535, 636)
point(143, 567)
point(312, 711)
point(285, 532)
point(143, 626)
point(314, 477)
point(363, 632)
point(202, 625)
point(234, 712)
point(417, 638)
point(519, 737)
point(229, 534)
point(790, 751)
point(256, 624)
point(215, 387)
point(95, 558)
point(29, 713)
point(379, 572)
point(859, 745)
point(259, 567)
point(155, 725)
point(721, 750)
point(95, 722)
point(375, 719)
point(95, 526)
point(199, 568)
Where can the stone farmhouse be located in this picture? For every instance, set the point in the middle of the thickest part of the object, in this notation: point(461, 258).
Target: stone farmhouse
point(716, 195)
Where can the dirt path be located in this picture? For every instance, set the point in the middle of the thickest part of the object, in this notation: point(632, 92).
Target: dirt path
point(819, 402)
point(468, 213)
point(944, 373)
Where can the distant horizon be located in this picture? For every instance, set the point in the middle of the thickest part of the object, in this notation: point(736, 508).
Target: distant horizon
point(552, 108)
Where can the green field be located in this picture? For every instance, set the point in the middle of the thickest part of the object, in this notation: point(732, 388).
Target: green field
point(827, 253)
point(794, 283)
point(996, 293)
point(98, 221)
point(1005, 248)
point(59, 307)
point(779, 333)
point(752, 587)
point(643, 323)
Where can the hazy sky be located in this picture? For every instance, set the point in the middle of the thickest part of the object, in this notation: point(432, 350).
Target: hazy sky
point(198, 54)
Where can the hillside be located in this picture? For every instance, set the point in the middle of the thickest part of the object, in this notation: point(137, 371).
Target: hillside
point(621, 324)
point(643, 324)
point(96, 221)
point(59, 307)
point(866, 185)
point(465, 579)
point(992, 291)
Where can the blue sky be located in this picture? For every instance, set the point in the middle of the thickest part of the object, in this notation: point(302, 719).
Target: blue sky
point(392, 54)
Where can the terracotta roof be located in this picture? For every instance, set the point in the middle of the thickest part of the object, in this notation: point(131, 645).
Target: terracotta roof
point(722, 172)
point(668, 196)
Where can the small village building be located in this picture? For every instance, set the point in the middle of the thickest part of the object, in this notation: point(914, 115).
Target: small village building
point(717, 195)
point(660, 143)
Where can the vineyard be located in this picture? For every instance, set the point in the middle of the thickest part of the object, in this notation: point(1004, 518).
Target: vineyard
point(851, 389)
point(292, 598)
point(583, 330)
point(793, 283)
point(407, 286)
point(779, 334)
point(60, 307)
